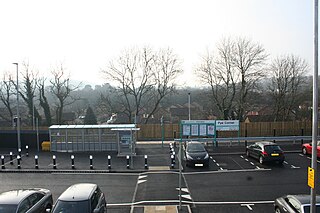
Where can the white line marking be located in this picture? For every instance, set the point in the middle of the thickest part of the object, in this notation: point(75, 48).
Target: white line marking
point(285, 162)
point(227, 171)
point(141, 181)
point(252, 163)
point(248, 206)
point(246, 160)
point(221, 168)
point(217, 164)
point(186, 197)
point(258, 167)
point(295, 167)
point(241, 156)
point(142, 176)
point(214, 160)
point(190, 202)
point(301, 155)
point(183, 189)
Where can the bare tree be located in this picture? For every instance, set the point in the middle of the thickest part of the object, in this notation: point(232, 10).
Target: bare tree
point(43, 100)
point(249, 60)
point(29, 85)
point(166, 68)
point(6, 92)
point(62, 89)
point(219, 74)
point(287, 79)
point(144, 78)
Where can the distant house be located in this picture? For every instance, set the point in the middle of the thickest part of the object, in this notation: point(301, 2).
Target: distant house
point(259, 118)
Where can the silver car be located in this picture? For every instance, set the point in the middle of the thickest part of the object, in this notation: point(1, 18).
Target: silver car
point(33, 200)
point(81, 198)
point(295, 203)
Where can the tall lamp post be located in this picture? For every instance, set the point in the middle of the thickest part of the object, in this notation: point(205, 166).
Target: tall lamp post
point(18, 112)
point(315, 111)
point(189, 105)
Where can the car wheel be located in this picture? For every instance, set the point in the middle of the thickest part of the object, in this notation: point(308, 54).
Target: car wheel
point(304, 150)
point(277, 210)
point(247, 153)
point(261, 160)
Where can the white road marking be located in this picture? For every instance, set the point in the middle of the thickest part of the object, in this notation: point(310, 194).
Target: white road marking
point(186, 197)
point(183, 189)
point(241, 156)
point(142, 176)
point(248, 206)
point(301, 155)
point(247, 160)
point(295, 167)
point(285, 162)
point(217, 164)
point(141, 181)
point(252, 163)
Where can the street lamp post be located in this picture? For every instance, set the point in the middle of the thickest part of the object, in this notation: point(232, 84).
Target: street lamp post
point(18, 112)
point(315, 111)
point(189, 105)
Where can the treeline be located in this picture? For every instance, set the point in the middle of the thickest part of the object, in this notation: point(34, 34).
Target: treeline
point(237, 77)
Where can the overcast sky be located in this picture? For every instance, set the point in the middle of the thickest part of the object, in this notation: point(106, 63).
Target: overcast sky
point(86, 35)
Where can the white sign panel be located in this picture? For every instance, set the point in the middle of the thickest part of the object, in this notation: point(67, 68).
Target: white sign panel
point(194, 130)
point(227, 125)
point(210, 130)
point(202, 130)
point(186, 130)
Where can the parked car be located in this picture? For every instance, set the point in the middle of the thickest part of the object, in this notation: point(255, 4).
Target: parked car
point(307, 149)
point(33, 200)
point(295, 203)
point(81, 198)
point(265, 151)
point(196, 154)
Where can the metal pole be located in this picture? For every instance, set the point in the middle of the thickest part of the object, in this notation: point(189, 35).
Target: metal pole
point(315, 110)
point(33, 122)
point(180, 176)
point(18, 112)
point(162, 131)
point(189, 106)
point(37, 125)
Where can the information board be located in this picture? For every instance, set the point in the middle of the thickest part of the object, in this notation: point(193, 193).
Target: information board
point(198, 127)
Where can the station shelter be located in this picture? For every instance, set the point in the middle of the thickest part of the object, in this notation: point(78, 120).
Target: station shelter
point(119, 138)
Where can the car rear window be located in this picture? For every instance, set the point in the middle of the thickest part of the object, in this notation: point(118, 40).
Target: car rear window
point(195, 147)
point(272, 148)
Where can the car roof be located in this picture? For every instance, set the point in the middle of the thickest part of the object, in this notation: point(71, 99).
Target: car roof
point(193, 142)
point(15, 196)
point(304, 199)
point(78, 192)
point(265, 143)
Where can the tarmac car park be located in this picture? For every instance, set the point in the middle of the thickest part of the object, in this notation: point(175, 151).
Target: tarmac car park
point(231, 183)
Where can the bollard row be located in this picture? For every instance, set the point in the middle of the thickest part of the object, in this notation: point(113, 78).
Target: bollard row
point(72, 157)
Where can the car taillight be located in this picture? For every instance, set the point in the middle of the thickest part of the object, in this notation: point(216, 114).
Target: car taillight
point(264, 153)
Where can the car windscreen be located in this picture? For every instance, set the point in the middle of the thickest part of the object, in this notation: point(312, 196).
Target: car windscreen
point(272, 148)
point(71, 207)
point(8, 208)
point(195, 147)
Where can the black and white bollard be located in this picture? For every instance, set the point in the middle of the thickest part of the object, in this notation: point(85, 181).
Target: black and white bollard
point(11, 158)
point(36, 161)
point(27, 150)
point(18, 160)
point(172, 161)
point(19, 153)
point(109, 162)
point(72, 162)
point(146, 162)
point(2, 162)
point(91, 160)
point(54, 162)
point(128, 162)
